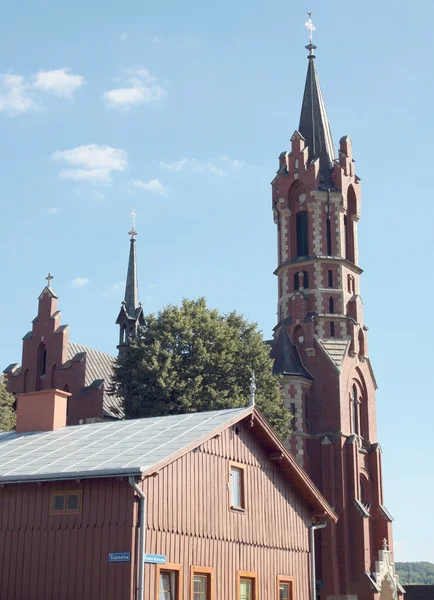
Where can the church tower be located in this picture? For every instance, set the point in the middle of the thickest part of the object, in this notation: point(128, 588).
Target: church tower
point(130, 316)
point(321, 349)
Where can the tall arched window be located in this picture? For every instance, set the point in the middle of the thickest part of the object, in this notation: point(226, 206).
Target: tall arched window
point(302, 233)
point(331, 306)
point(301, 282)
point(330, 278)
point(349, 225)
point(41, 367)
point(354, 411)
point(362, 351)
point(329, 237)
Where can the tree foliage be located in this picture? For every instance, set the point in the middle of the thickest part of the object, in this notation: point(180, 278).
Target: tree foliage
point(7, 412)
point(415, 572)
point(191, 358)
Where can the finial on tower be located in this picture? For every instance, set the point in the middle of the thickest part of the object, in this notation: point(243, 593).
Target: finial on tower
point(252, 389)
point(311, 46)
point(49, 278)
point(133, 231)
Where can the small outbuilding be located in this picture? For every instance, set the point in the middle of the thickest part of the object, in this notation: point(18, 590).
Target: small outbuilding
point(198, 506)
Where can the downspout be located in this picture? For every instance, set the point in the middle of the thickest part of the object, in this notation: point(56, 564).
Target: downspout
point(142, 539)
point(312, 530)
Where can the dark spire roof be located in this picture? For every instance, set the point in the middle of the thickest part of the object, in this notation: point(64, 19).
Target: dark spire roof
point(314, 124)
point(287, 360)
point(132, 287)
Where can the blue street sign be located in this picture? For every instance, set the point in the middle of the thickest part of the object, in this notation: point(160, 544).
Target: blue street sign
point(119, 557)
point(155, 559)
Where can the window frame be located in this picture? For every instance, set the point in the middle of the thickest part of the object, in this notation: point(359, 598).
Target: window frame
point(65, 494)
point(242, 468)
point(175, 568)
point(253, 576)
point(209, 572)
point(285, 579)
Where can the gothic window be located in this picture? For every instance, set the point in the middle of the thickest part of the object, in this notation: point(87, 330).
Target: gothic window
point(331, 306)
point(297, 281)
point(354, 411)
point(329, 237)
point(332, 329)
point(292, 410)
point(302, 233)
point(330, 278)
point(361, 343)
point(365, 497)
point(41, 366)
point(349, 225)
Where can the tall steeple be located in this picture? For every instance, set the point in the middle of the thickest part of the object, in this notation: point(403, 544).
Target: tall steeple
point(314, 124)
point(131, 314)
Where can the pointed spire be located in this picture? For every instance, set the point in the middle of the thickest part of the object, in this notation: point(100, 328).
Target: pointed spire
point(132, 287)
point(314, 124)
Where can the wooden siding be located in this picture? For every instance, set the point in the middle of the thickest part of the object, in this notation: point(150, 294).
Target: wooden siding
point(66, 557)
point(189, 520)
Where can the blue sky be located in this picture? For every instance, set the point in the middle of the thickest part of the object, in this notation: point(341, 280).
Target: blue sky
point(179, 110)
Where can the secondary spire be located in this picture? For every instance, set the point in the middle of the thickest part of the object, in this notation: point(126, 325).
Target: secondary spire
point(130, 317)
point(314, 124)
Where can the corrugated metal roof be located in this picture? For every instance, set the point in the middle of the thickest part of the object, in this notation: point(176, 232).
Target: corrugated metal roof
point(99, 365)
point(105, 449)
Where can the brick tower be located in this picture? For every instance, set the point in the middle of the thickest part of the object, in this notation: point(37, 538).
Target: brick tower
point(321, 349)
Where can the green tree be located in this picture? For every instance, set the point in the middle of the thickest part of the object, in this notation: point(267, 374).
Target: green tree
point(191, 358)
point(7, 412)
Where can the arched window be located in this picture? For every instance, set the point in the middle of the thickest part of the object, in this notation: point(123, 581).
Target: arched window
point(354, 411)
point(330, 278)
point(331, 306)
point(361, 343)
point(301, 280)
point(329, 237)
point(332, 329)
point(41, 367)
point(302, 233)
point(365, 495)
point(349, 225)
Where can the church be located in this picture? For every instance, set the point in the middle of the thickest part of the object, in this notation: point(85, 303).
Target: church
point(320, 348)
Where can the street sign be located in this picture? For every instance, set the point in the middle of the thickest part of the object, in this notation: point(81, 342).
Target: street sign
point(119, 557)
point(155, 559)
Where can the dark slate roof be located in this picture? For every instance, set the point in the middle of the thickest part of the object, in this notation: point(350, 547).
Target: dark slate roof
point(287, 360)
point(419, 592)
point(314, 125)
point(131, 286)
point(99, 366)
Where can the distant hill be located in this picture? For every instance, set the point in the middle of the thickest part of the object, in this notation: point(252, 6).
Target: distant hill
point(415, 572)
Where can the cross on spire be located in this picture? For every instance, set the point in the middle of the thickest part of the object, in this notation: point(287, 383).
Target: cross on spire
point(133, 231)
point(49, 278)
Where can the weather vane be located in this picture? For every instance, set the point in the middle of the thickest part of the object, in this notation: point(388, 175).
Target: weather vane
point(133, 231)
point(311, 28)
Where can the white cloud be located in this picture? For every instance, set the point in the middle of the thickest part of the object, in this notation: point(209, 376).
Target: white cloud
point(95, 163)
point(53, 211)
point(140, 88)
point(217, 166)
point(19, 94)
point(154, 185)
point(58, 81)
point(116, 289)
point(15, 95)
point(79, 282)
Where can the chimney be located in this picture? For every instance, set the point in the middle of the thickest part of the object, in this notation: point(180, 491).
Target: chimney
point(41, 411)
